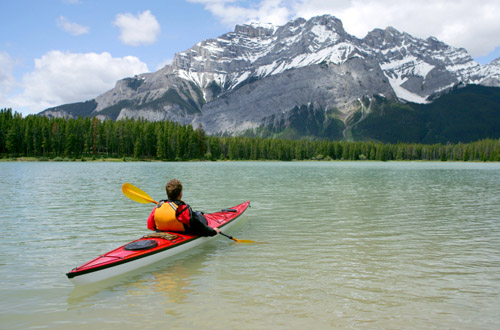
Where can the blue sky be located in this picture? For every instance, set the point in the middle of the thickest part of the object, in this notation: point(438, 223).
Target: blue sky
point(61, 51)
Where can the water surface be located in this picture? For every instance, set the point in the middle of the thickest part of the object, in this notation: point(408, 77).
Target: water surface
point(352, 245)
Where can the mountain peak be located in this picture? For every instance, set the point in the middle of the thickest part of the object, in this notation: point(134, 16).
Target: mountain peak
point(328, 20)
point(387, 37)
point(255, 30)
point(392, 30)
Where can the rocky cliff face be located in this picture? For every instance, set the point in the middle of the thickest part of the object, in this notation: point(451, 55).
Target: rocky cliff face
point(259, 73)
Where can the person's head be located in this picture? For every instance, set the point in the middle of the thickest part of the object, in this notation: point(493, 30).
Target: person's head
point(174, 189)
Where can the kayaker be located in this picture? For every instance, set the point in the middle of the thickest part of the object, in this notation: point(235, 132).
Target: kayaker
point(175, 215)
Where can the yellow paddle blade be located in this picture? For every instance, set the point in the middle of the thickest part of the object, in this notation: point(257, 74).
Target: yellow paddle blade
point(136, 194)
point(247, 241)
point(241, 240)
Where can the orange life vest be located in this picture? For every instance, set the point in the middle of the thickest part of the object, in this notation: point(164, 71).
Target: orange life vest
point(166, 219)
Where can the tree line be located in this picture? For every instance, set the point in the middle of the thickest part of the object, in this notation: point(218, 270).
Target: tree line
point(82, 138)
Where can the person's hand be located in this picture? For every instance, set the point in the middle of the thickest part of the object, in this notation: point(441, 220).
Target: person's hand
point(217, 230)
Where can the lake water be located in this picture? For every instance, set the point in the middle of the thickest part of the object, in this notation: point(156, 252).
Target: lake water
point(352, 245)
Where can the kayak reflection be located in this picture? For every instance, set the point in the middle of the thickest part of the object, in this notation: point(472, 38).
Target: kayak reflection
point(170, 282)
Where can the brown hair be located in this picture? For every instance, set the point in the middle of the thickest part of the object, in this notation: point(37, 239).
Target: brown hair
point(174, 189)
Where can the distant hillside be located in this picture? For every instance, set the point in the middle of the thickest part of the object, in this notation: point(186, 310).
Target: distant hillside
point(466, 114)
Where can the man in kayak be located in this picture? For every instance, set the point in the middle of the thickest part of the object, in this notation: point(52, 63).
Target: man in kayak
point(175, 215)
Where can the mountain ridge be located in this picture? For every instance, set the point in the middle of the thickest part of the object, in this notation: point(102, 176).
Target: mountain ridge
point(239, 80)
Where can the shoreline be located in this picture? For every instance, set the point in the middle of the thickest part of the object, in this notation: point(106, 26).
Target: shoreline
point(132, 160)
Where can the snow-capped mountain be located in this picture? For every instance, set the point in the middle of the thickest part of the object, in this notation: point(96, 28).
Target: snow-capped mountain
point(256, 51)
point(259, 73)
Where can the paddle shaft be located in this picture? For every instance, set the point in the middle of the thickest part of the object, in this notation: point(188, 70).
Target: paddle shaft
point(230, 237)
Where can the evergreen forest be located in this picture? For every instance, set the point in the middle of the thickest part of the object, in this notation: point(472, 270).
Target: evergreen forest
point(46, 138)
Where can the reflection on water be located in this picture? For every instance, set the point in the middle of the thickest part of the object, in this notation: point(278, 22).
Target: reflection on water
point(351, 245)
point(174, 284)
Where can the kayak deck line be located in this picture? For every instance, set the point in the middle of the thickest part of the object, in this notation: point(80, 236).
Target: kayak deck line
point(101, 256)
point(125, 260)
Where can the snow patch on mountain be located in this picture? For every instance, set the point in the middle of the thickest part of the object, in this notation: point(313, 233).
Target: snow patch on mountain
point(402, 93)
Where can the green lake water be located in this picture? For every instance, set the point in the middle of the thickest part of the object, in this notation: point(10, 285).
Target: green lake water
point(352, 245)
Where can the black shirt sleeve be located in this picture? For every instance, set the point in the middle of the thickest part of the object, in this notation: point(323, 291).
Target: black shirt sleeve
point(198, 224)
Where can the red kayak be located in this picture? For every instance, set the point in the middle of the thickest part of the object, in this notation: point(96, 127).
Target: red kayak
point(150, 249)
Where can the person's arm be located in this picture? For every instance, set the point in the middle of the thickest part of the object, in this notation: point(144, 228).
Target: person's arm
point(200, 228)
point(194, 223)
point(151, 220)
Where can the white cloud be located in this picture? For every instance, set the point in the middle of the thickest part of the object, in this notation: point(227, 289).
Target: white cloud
point(7, 80)
point(70, 27)
point(232, 12)
point(142, 29)
point(459, 23)
point(60, 78)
